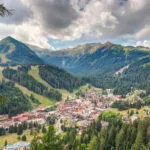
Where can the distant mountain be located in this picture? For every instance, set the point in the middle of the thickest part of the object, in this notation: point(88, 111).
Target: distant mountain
point(38, 50)
point(15, 52)
point(96, 59)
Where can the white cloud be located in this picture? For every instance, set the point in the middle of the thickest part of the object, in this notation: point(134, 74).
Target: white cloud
point(143, 33)
point(144, 43)
point(27, 33)
point(68, 20)
point(137, 5)
point(31, 34)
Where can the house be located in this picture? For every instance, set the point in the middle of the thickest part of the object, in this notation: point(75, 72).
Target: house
point(125, 117)
point(134, 118)
point(3, 117)
point(16, 118)
point(18, 146)
point(104, 123)
point(83, 123)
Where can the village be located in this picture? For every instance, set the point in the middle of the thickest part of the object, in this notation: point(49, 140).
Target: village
point(79, 112)
point(83, 111)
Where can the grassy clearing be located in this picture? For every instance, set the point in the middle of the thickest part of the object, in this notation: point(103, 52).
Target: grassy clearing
point(140, 111)
point(34, 72)
point(45, 101)
point(66, 94)
point(1, 74)
point(72, 95)
point(12, 138)
point(3, 58)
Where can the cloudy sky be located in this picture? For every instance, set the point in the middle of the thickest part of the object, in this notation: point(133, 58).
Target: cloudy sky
point(60, 24)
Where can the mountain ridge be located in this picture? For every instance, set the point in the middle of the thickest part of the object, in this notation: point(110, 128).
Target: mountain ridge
point(99, 59)
point(15, 52)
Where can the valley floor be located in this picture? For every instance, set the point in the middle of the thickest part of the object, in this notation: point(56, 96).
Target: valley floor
point(80, 111)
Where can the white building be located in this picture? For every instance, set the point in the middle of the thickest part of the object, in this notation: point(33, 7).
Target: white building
point(18, 146)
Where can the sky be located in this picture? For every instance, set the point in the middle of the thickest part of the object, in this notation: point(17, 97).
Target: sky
point(59, 24)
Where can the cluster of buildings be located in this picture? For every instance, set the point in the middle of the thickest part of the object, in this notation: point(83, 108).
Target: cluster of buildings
point(79, 112)
point(18, 146)
point(36, 116)
point(111, 96)
point(82, 112)
point(132, 118)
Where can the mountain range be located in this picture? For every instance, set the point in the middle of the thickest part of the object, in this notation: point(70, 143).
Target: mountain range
point(36, 78)
point(96, 59)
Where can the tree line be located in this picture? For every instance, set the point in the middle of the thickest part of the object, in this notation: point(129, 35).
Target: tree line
point(14, 100)
point(22, 77)
point(137, 76)
point(116, 136)
point(59, 78)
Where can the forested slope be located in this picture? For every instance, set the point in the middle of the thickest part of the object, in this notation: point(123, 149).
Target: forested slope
point(22, 77)
point(116, 136)
point(59, 78)
point(14, 100)
point(95, 59)
point(137, 76)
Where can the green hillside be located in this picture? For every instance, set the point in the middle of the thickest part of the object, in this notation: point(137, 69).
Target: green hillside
point(43, 101)
point(26, 80)
point(14, 100)
point(137, 76)
point(15, 52)
point(95, 59)
point(34, 72)
point(101, 65)
point(22, 77)
point(59, 78)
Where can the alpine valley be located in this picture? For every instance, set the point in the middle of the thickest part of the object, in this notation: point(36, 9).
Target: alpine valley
point(69, 89)
point(101, 65)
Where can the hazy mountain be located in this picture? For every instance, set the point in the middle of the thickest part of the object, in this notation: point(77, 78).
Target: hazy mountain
point(38, 50)
point(96, 59)
point(13, 51)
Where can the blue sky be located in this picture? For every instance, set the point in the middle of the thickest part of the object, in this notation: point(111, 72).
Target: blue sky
point(66, 23)
point(57, 44)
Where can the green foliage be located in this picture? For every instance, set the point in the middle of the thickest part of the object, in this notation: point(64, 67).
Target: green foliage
point(126, 104)
point(4, 11)
point(119, 139)
point(24, 79)
point(100, 66)
point(15, 102)
point(2, 131)
point(117, 136)
point(50, 141)
point(52, 108)
point(24, 138)
point(110, 116)
point(59, 78)
point(94, 144)
point(136, 77)
point(19, 129)
point(2, 100)
point(43, 129)
point(5, 144)
point(34, 100)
